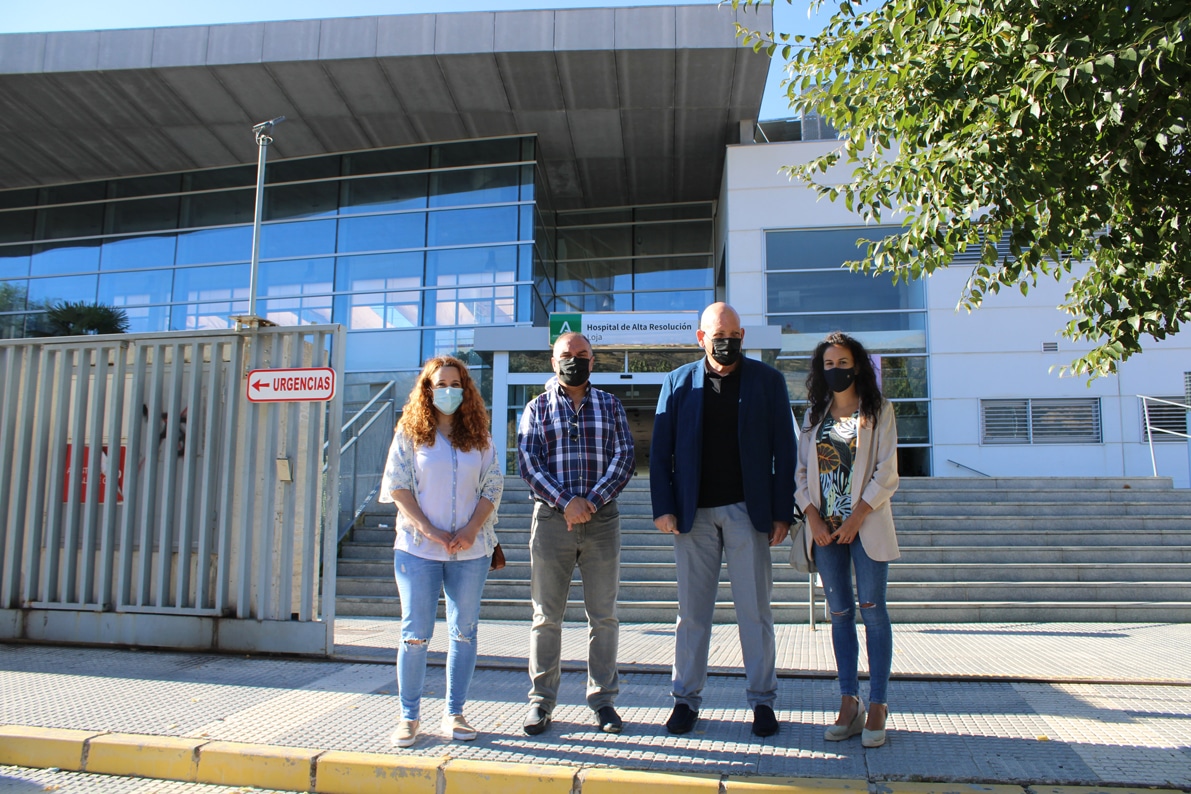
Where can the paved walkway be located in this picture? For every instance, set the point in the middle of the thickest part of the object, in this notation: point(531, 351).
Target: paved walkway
point(1025, 704)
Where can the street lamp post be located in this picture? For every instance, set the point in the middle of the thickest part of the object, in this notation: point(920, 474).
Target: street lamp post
point(263, 139)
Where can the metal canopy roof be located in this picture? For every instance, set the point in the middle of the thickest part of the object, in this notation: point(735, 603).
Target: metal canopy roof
point(631, 105)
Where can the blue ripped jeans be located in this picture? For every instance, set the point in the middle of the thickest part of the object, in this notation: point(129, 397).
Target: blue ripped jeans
point(835, 563)
point(419, 582)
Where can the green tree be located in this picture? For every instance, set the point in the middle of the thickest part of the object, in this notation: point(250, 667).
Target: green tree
point(1057, 128)
point(75, 318)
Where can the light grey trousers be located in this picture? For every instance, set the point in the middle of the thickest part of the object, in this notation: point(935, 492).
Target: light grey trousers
point(718, 533)
point(553, 554)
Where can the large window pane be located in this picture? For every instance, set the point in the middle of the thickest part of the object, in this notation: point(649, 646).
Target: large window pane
point(677, 273)
point(818, 248)
point(456, 342)
point(406, 158)
point(672, 238)
point(578, 277)
point(381, 193)
point(893, 332)
point(215, 245)
point(223, 282)
point(148, 185)
point(147, 319)
point(394, 308)
point(378, 272)
point(383, 350)
point(471, 266)
point(326, 167)
point(78, 221)
point(691, 301)
point(468, 227)
point(215, 178)
point(12, 295)
point(65, 258)
point(314, 310)
point(479, 186)
point(297, 239)
point(382, 232)
point(149, 215)
point(471, 306)
point(137, 252)
point(312, 200)
point(595, 302)
point(10, 199)
point(16, 227)
point(44, 291)
point(295, 277)
point(795, 371)
point(14, 261)
point(903, 376)
point(913, 422)
point(12, 326)
point(598, 243)
point(134, 289)
point(840, 290)
point(500, 150)
point(203, 316)
point(219, 209)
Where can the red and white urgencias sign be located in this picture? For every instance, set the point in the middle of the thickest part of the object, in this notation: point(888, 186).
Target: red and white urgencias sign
point(306, 384)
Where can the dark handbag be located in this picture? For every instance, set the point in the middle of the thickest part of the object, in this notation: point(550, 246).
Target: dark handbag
point(498, 558)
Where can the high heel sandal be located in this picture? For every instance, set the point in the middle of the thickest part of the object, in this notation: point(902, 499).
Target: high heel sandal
point(837, 733)
point(874, 738)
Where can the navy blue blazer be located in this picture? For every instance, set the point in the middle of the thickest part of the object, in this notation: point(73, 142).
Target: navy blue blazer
point(767, 448)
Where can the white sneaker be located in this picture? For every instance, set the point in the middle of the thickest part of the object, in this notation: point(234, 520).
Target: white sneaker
point(455, 726)
point(406, 733)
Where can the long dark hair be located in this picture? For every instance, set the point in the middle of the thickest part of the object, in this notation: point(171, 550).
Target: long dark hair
point(818, 393)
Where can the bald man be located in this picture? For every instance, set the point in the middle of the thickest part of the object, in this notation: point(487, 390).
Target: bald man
point(721, 477)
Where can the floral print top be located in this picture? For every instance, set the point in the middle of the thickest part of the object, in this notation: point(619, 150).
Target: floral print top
point(836, 447)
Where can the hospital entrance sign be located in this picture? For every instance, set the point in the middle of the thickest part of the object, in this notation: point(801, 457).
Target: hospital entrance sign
point(628, 329)
point(301, 384)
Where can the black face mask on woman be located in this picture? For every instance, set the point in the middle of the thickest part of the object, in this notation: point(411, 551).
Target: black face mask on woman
point(839, 379)
point(725, 351)
point(574, 371)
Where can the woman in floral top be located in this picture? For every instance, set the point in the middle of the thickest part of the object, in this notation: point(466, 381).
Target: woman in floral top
point(443, 474)
point(846, 475)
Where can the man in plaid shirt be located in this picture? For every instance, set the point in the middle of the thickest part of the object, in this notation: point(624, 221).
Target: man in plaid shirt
point(575, 451)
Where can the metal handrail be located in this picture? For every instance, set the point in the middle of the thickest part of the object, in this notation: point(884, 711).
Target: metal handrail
point(969, 468)
point(352, 501)
point(1150, 429)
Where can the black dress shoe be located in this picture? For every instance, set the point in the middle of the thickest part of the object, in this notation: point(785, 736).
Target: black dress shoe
point(608, 720)
point(764, 721)
point(537, 721)
point(682, 719)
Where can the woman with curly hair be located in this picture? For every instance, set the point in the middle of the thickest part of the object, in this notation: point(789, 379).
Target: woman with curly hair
point(846, 475)
point(443, 475)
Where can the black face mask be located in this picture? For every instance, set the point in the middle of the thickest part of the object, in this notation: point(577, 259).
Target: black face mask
point(726, 351)
point(574, 371)
point(839, 379)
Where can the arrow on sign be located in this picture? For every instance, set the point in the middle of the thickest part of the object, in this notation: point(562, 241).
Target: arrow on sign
point(260, 384)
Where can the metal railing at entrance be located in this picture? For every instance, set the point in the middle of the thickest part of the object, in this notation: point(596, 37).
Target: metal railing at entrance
point(144, 500)
point(1152, 427)
point(364, 440)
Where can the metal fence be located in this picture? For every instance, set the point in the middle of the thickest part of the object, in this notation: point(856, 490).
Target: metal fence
point(146, 501)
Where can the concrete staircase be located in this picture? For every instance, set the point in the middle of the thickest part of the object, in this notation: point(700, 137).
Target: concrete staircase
point(973, 550)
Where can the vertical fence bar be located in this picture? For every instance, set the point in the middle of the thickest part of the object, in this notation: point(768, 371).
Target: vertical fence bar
point(330, 491)
point(9, 403)
point(249, 481)
point(204, 510)
point(152, 444)
point(57, 441)
point(187, 438)
point(268, 569)
point(233, 396)
point(35, 513)
point(169, 491)
point(115, 475)
point(95, 458)
point(310, 497)
point(132, 476)
point(289, 490)
point(68, 586)
point(20, 393)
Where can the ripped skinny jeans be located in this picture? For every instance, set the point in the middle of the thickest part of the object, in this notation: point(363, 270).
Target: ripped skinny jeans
point(836, 563)
point(419, 582)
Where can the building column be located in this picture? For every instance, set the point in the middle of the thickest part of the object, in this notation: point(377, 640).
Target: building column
point(500, 405)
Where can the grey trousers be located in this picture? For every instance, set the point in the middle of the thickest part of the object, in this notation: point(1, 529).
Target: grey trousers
point(553, 554)
point(720, 532)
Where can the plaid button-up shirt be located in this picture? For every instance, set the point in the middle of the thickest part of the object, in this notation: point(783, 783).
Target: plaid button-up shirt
point(563, 453)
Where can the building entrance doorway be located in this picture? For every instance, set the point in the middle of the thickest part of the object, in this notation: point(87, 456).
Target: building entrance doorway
point(640, 402)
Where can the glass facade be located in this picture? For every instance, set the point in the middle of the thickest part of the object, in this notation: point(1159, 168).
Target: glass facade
point(410, 248)
point(809, 294)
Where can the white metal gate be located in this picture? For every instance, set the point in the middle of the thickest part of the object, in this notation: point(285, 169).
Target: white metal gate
point(145, 501)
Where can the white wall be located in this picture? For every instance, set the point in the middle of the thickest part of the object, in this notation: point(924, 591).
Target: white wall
point(995, 351)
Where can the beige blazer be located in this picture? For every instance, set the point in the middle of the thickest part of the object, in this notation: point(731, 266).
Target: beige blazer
point(874, 479)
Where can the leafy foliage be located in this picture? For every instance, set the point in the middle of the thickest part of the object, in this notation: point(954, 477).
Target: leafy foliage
point(1056, 128)
point(77, 318)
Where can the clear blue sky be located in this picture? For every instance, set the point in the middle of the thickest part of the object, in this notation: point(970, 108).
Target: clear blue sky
point(24, 16)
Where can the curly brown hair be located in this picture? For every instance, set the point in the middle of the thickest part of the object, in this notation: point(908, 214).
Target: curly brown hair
point(419, 417)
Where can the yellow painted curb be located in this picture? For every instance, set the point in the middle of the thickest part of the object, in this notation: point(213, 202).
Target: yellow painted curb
point(946, 788)
point(161, 757)
point(618, 781)
point(340, 772)
point(23, 745)
point(793, 785)
point(1101, 790)
point(260, 765)
point(494, 777)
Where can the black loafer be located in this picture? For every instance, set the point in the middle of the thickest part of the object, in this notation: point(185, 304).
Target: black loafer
point(764, 721)
point(537, 721)
point(608, 720)
point(682, 719)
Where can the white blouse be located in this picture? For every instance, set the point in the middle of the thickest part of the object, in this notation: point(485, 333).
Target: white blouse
point(448, 485)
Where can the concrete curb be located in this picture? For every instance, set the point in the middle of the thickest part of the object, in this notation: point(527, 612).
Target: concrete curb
point(339, 772)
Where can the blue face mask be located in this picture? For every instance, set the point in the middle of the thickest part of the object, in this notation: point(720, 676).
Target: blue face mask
point(448, 399)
